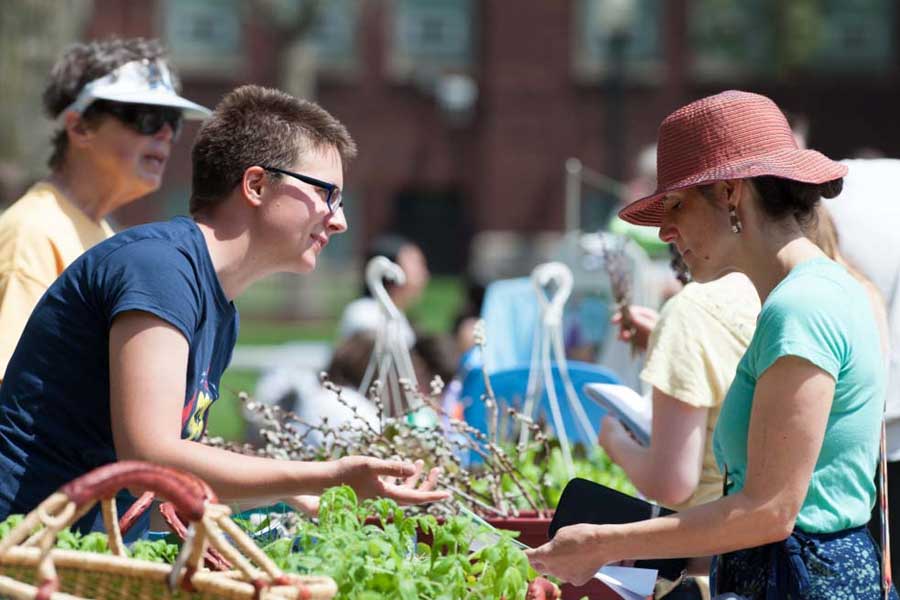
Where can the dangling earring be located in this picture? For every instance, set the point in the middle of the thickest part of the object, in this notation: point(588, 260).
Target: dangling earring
point(736, 225)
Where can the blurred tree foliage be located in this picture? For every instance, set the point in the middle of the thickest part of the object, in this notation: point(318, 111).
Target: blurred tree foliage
point(770, 37)
point(32, 35)
point(799, 26)
point(290, 21)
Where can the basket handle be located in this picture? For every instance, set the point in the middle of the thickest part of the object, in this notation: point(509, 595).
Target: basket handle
point(135, 511)
point(212, 557)
point(73, 500)
point(188, 493)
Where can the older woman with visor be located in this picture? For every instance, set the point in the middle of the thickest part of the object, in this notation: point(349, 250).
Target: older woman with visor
point(798, 434)
point(118, 114)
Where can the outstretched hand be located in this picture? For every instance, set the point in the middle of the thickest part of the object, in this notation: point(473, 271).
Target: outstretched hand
point(374, 477)
point(308, 504)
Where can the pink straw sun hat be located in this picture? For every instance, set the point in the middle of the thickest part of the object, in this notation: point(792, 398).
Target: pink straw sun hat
point(732, 135)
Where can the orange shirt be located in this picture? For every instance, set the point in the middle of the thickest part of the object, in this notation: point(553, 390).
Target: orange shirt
point(40, 235)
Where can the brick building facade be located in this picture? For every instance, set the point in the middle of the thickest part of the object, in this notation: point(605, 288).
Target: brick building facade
point(545, 73)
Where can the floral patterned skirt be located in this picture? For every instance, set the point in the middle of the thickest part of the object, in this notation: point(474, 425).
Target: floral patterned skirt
point(835, 566)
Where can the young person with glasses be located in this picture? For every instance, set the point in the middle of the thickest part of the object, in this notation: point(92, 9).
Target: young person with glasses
point(122, 357)
point(118, 114)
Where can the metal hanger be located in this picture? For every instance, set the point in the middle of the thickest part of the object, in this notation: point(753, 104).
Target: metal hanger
point(390, 359)
point(548, 349)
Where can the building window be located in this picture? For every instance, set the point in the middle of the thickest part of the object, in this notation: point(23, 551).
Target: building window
point(731, 39)
point(204, 35)
point(334, 37)
point(431, 37)
point(852, 35)
point(606, 31)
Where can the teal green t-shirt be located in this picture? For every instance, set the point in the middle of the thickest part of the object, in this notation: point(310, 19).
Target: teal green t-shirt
point(819, 312)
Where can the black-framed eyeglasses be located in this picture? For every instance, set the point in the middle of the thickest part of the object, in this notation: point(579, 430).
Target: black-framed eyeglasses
point(334, 199)
point(146, 119)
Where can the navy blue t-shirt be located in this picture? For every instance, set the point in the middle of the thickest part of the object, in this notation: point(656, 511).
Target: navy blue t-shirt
point(54, 400)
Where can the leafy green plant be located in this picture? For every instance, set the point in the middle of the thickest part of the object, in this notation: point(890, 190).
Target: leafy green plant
point(386, 560)
point(550, 474)
point(373, 550)
point(97, 542)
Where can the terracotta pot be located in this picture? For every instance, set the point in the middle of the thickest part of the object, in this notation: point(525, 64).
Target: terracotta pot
point(532, 528)
point(594, 590)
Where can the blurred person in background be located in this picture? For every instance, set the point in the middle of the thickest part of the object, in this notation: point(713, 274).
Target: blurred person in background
point(867, 219)
point(463, 328)
point(798, 435)
point(642, 183)
point(299, 390)
point(824, 234)
point(122, 358)
point(118, 113)
point(364, 313)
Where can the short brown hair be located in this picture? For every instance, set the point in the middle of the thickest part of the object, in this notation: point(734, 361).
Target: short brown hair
point(82, 63)
point(253, 125)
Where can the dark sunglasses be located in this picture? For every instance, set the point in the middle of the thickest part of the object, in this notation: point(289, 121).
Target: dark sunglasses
point(334, 199)
point(146, 119)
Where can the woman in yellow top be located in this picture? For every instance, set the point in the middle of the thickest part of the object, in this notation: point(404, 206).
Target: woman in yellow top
point(694, 347)
point(118, 113)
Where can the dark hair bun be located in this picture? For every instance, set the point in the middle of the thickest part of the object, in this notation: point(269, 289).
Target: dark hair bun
point(831, 189)
point(801, 197)
point(781, 197)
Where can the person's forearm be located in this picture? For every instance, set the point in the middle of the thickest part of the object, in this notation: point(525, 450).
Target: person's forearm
point(728, 524)
point(237, 477)
point(669, 469)
point(636, 461)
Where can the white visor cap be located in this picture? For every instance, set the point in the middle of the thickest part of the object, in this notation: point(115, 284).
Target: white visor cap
point(137, 82)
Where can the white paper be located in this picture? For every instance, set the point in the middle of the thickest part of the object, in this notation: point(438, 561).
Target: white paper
point(628, 582)
point(635, 411)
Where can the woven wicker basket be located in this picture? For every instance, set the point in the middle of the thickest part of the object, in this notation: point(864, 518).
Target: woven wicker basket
point(31, 568)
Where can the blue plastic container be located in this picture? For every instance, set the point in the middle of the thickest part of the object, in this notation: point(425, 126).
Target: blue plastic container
point(510, 385)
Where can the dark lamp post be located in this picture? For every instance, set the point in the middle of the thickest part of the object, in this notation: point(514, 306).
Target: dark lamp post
point(616, 19)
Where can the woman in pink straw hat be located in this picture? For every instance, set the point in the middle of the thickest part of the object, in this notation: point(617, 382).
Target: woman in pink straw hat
point(798, 435)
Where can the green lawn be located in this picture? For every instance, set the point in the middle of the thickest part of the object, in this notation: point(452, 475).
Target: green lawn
point(225, 414)
point(433, 314)
point(442, 299)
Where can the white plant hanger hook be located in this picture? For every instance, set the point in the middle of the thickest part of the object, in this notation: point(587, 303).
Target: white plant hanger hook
point(390, 358)
point(559, 274)
point(548, 348)
point(378, 269)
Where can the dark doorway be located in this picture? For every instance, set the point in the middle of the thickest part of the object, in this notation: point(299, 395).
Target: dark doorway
point(435, 218)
